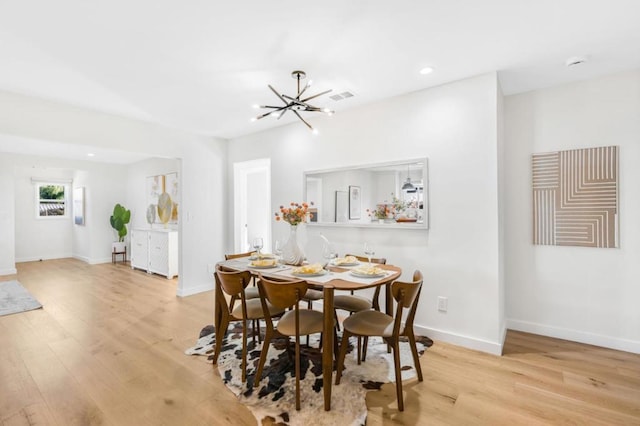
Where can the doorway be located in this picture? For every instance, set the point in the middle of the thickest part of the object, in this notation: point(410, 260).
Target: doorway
point(252, 204)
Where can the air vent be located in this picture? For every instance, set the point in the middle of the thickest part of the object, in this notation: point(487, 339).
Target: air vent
point(341, 96)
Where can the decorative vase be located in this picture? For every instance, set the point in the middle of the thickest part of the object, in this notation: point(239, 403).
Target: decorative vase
point(292, 253)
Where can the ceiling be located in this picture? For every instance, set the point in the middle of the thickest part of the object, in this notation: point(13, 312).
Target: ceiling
point(200, 65)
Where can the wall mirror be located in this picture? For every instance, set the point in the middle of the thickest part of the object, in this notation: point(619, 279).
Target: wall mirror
point(390, 195)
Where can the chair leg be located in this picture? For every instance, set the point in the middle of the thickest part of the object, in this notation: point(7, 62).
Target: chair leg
point(253, 331)
point(220, 334)
point(359, 349)
point(243, 365)
point(365, 344)
point(258, 330)
point(343, 352)
point(336, 348)
point(396, 361)
point(298, 371)
point(263, 357)
point(335, 317)
point(414, 353)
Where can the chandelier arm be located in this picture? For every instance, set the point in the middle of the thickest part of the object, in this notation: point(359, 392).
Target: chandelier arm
point(277, 94)
point(315, 96)
point(292, 99)
point(271, 112)
point(283, 113)
point(300, 93)
point(300, 117)
point(294, 102)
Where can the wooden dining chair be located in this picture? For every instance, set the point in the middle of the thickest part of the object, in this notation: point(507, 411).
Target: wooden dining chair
point(234, 283)
point(374, 323)
point(250, 292)
point(295, 322)
point(353, 303)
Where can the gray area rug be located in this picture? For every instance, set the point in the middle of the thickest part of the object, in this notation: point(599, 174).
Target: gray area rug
point(14, 298)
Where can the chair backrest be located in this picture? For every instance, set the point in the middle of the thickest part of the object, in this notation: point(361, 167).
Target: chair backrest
point(406, 295)
point(378, 260)
point(282, 294)
point(237, 255)
point(232, 282)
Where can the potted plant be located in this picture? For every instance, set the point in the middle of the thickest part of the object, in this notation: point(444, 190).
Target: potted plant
point(119, 220)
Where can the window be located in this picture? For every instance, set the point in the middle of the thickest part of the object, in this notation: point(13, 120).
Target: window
point(51, 200)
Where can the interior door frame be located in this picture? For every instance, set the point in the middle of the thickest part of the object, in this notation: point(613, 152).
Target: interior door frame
point(240, 201)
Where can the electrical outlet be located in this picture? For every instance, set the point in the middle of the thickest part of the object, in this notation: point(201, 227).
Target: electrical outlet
point(442, 303)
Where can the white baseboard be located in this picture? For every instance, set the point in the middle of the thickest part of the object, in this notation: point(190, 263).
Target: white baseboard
point(494, 348)
point(575, 335)
point(91, 261)
point(8, 271)
point(38, 258)
point(182, 292)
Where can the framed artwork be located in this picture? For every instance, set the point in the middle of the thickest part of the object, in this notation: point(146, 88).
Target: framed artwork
point(575, 197)
point(355, 202)
point(156, 186)
point(342, 206)
point(313, 215)
point(172, 188)
point(78, 205)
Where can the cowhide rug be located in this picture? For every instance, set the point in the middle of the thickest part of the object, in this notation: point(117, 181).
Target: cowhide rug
point(274, 398)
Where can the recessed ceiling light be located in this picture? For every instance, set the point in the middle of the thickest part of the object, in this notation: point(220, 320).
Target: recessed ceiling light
point(91, 154)
point(426, 70)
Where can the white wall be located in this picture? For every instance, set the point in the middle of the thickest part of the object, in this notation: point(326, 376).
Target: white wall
point(455, 126)
point(203, 223)
point(7, 217)
point(583, 294)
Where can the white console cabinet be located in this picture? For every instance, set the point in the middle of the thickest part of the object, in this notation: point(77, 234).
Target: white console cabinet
point(155, 251)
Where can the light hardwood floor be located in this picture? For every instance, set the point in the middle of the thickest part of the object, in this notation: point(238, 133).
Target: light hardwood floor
point(107, 349)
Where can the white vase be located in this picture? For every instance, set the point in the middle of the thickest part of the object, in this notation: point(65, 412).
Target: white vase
point(292, 253)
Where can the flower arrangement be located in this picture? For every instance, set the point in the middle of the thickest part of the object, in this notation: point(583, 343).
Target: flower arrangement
point(398, 205)
point(295, 214)
point(382, 211)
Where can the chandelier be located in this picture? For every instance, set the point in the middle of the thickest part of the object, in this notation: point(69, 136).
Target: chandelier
point(295, 103)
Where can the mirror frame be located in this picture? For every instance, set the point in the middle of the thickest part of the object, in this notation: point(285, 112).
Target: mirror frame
point(373, 224)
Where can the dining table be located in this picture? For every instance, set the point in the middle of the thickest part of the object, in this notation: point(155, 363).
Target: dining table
point(333, 278)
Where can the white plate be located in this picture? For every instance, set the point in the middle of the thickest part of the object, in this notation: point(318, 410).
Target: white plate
point(361, 275)
point(262, 267)
point(345, 263)
point(313, 274)
point(264, 256)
